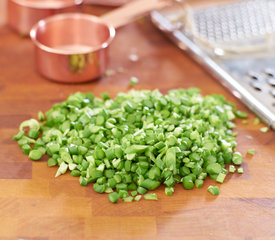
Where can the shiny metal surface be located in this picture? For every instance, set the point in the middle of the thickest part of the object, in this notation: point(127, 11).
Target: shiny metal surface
point(72, 47)
point(23, 14)
point(234, 25)
point(233, 72)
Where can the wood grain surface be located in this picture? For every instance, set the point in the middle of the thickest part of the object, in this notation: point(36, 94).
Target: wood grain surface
point(35, 205)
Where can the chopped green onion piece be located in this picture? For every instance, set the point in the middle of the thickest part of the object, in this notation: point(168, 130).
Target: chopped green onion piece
point(199, 183)
point(169, 191)
point(256, 121)
point(137, 198)
point(18, 136)
point(150, 196)
point(134, 193)
point(128, 199)
point(72, 166)
point(132, 186)
point(237, 158)
point(188, 182)
point(244, 121)
point(220, 178)
point(141, 190)
point(32, 124)
point(35, 154)
point(75, 173)
point(241, 114)
point(251, 151)
point(51, 162)
point(99, 188)
point(214, 190)
point(40, 116)
point(214, 168)
point(123, 193)
point(121, 186)
point(83, 181)
point(234, 134)
point(62, 169)
point(105, 96)
point(108, 190)
point(26, 148)
point(113, 197)
point(150, 184)
point(232, 168)
point(240, 170)
point(264, 129)
point(133, 81)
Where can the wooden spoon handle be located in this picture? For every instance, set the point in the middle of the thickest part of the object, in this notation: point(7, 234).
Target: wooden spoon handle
point(131, 11)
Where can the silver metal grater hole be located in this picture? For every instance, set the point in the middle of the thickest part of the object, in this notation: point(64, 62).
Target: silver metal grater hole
point(236, 24)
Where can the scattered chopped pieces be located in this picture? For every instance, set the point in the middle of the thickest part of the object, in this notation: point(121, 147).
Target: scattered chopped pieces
point(169, 191)
point(26, 148)
point(35, 154)
point(128, 199)
point(133, 81)
point(19, 135)
point(245, 122)
point(235, 134)
point(137, 198)
point(32, 124)
point(251, 151)
point(40, 116)
point(240, 170)
point(134, 193)
point(133, 57)
point(105, 96)
point(113, 197)
point(232, 168)
point(241, 114)
point(220, 178)
point(237, 158)
point(264, 129)
point(256, 121)
point(141, 190)
point(199, 183)
point(62, 169)
point(214, 190)
point(53, 162)
point(137, 141)
point(150, 196)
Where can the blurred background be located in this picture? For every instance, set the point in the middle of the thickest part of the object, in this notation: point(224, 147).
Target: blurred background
point(2, 11)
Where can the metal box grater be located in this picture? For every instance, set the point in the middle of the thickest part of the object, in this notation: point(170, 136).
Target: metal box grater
point(235, 42)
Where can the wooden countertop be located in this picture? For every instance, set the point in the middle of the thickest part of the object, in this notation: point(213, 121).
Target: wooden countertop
point(35, 205)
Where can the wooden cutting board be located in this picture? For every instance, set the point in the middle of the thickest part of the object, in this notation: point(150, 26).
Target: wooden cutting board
point(35, 205)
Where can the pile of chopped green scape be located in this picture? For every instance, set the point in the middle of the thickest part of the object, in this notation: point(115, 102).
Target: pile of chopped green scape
point(137, 141)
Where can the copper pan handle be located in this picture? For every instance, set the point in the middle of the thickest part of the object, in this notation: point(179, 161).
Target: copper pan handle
point(131, 11)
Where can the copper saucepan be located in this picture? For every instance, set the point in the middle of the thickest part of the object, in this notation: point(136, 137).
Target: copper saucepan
point(23, 14)
point(72, 47)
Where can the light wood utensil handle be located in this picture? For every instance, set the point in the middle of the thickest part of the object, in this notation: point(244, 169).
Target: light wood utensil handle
point(131, 11)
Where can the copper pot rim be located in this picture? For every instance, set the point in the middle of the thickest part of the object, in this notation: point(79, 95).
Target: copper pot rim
point(61, 4)
point(76, 16)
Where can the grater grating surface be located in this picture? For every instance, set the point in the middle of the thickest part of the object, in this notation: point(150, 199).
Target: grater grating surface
point(234, 25)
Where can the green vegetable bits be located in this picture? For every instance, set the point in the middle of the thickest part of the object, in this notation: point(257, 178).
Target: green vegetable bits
point(214, 190)
point(137, 141)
